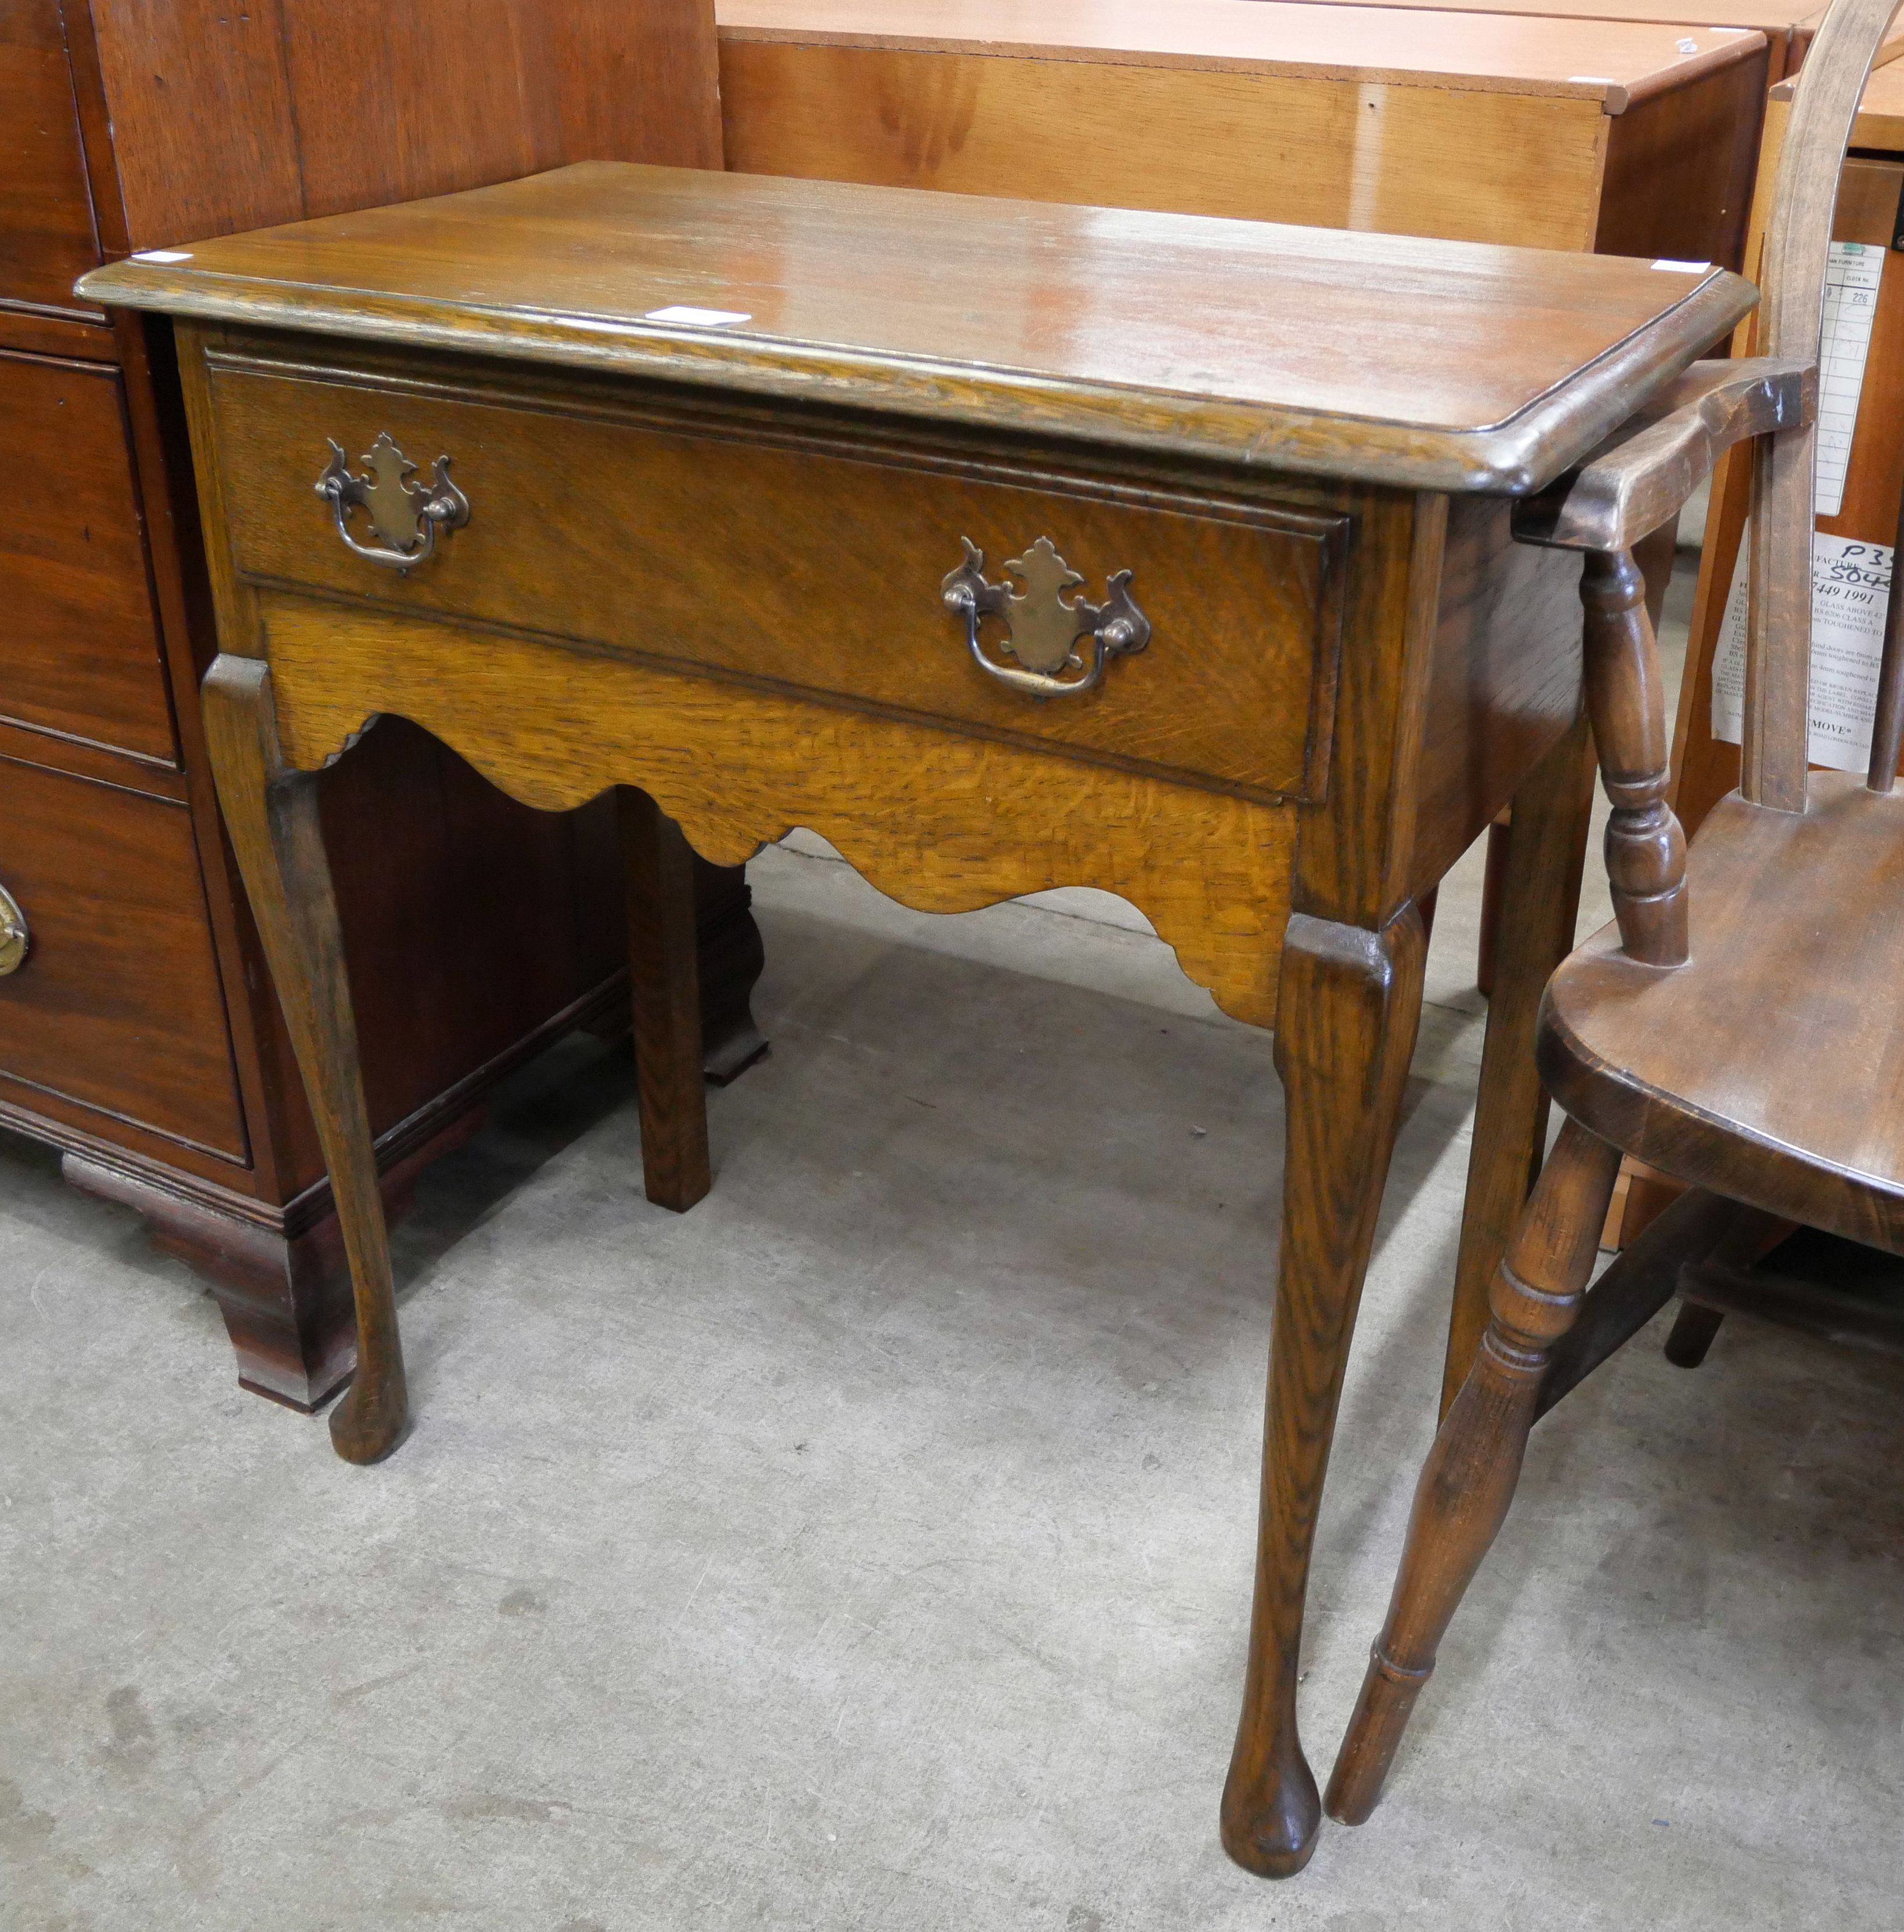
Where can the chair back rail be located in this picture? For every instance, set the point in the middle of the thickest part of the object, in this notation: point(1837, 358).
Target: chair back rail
point(1888, 722)
point(1798, 241)
point(1641, 478)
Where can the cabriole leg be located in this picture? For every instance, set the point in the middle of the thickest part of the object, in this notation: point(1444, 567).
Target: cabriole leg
point(271, 812)
point(1346, 1018)
point(1469, 1478)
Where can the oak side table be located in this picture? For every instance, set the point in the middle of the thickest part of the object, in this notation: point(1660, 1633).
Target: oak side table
point(1624, 131)
point(1008, 545)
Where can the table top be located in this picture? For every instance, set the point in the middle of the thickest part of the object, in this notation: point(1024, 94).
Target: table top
point(1612, 61)
point(1393, 358)
point(1880, 122)
point(1767, 16)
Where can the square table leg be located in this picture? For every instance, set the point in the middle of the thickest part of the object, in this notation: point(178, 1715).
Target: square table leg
point(665, 992)
point(271, 811)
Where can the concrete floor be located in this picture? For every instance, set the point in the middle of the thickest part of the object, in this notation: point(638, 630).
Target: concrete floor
point(871, 1547)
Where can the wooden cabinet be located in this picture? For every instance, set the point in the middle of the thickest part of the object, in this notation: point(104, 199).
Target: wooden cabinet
point(46, 235)
point(140, 1032)
point(1625, 137)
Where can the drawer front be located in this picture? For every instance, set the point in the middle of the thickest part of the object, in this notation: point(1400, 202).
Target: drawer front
point(46, 238)
point(814, 571)
point(80, 645)
point(117, 1004)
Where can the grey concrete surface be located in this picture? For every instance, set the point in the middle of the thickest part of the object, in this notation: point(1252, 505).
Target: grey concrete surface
point(870, 1547)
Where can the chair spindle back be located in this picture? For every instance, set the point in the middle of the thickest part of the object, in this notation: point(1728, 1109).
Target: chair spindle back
point(1791, 315)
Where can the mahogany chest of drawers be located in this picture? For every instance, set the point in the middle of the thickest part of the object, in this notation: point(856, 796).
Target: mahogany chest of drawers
point(139, 1031)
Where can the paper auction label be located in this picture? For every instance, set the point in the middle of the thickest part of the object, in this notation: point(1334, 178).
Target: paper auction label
point(1851, 589)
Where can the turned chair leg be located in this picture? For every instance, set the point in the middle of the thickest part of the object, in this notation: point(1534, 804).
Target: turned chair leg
point(1645, 845)
point(1541, 856)
point(1469, 1478)
point(1693, 1329)
point(1751, 1235)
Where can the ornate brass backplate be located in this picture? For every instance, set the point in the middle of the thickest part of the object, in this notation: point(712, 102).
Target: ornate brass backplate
point(15, 939)
point(1045, 628)
point(406, 515)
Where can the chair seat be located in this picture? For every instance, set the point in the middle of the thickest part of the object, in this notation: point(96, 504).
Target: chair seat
point(1770, 1067)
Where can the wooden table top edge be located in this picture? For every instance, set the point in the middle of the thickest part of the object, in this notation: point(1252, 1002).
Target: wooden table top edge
point(1776, 19)
point(1520, 455)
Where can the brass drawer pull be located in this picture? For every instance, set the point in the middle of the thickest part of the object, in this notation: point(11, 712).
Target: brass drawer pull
point(15, 939)
point(1045, 629)
point(406, 515)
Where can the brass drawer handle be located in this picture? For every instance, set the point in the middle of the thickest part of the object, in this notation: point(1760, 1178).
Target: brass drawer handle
point(406, 515)
point(1045, 629)
point(15, 939)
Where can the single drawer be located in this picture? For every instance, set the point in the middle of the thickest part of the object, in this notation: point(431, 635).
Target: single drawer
point(79, 641)
point(688, 545)
point(117, 1004)
point(46, 236)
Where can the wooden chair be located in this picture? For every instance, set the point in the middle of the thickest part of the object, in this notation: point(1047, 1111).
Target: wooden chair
point(1740, 1025)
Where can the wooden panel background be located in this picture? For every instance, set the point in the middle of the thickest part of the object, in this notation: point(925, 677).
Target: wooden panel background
point(226, 118)
point(1463, 165)
point(46, 238)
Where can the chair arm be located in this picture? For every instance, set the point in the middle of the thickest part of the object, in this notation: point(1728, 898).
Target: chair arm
point(1633, 483)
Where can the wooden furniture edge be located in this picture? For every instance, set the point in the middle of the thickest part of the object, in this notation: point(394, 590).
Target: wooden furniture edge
point(1512, 457)
point(1629, 490)
point(1614, 96)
